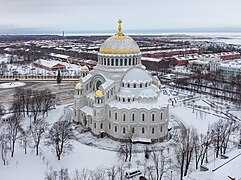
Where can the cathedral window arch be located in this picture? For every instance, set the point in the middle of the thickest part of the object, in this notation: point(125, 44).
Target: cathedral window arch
point(129, 61)
point(143, 117)
point(116, 116)
point(125, 62)
point(153, 130)
point(133, 117)
point(128, 85)
point(124, 130)
point(112, 62)
point(101, 125)
point(124, 100)
point(134, 85)
point(161, 115)
point(121, 62)
point(115, 128)
point(124, 117)
point(161, 128)
point(146, 84)
point(116, 62)
point(133, 130)
point(143, 130)
point(129, 100)
point(153, 117)
point(108, 61)
point(109, 114)
point(109, 126)
point(140, 85)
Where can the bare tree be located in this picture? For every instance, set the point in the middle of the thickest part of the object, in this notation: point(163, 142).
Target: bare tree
point(13, 127)
point(37, 129)
point(25, 139)
point(4, 146)
point(60, 137)
point(184, 149)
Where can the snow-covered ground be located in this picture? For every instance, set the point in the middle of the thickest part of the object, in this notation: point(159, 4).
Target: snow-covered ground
point(89, 152)
point(11, 85)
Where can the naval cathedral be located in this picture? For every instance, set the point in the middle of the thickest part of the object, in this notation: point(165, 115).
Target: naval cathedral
point(119, 98)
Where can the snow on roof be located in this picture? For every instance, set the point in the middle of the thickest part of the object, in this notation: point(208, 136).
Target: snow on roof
point(107, 84)
point(137, 75)
point(7, 116)
point(59, 55)
point(47, 63)
point(87, 110)
point(161, 102)
point(139, 139)
point(151, 59)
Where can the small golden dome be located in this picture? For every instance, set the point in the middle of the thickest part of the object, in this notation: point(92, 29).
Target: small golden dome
point(79, 86)
point(99, 93)
point(84, 68)
point(158, 83)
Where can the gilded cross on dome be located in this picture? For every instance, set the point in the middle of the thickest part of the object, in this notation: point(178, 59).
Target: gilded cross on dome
point(120, 28)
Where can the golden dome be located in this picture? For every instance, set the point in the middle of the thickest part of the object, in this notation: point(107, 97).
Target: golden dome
point(99, 93)
point(79, 86)
point(119, 44)
point(84, 68)
point(158, 82)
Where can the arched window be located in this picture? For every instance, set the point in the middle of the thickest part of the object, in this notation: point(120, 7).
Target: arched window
point(134, 85)
point(153, 117)
point(115, 116)
point(129, 61)
point(125, 62)
point(116, 62)
point(109, 126)
point(153, 130)
point(161, 115)
point(143, 117)
point(124, 117)
point(123, 85)
point(143, 130)
point(112, 62)
point(121, 62)
point(115, 128)
point(146, 85)
point(133, 117)
point(124, 130)
point(101, 126)
point(140, 85)
point(109, 114)
point(129, 100)
point(128, 85)
point(108, 61)
point(95, 125)
point(124, 100)
point(133, 130)
point(161, 128)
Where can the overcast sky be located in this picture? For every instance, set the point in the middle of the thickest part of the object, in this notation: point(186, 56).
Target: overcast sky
point(100, 15)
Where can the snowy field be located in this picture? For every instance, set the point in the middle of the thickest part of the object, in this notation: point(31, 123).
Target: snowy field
point(11, 85)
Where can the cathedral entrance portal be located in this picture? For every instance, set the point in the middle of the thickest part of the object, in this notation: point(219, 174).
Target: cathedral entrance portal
point(96, 81)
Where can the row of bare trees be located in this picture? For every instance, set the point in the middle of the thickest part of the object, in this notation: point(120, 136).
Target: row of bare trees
point(33, 102)
point(194, 147)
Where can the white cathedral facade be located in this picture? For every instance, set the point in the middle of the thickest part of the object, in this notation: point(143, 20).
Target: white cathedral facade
point(118, 98)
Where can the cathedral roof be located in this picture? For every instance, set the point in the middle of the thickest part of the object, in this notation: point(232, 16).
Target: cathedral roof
point(119, 44)
point(137, 75)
